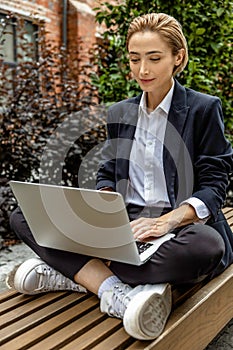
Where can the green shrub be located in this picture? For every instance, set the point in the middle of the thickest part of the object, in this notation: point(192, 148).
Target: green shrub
point(36, 98)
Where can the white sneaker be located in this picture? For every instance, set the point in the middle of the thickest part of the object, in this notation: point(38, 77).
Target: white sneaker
point(144, 309)
point(35, 276)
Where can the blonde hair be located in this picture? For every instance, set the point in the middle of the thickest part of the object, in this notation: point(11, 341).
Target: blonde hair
point(167, 27)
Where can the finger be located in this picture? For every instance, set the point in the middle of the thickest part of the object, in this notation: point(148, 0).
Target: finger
point(150, 233)
point(139, 230)
point(139, 225)
point(146, 231)
point(146, 235)
point(137, 222)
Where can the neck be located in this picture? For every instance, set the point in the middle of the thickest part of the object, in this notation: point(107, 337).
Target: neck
point(153, 101)
point(154, 98)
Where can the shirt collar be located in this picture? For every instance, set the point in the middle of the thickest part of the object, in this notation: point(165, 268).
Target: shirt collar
point(165, 104)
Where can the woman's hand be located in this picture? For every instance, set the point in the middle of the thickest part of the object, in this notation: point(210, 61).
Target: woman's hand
point(145, 228)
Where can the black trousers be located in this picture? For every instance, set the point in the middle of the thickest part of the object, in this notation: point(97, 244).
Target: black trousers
point(192, 255)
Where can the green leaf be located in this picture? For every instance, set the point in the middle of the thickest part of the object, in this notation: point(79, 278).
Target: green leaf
point(200, 31)
point(220, 11)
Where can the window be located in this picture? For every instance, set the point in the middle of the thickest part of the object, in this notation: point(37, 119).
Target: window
point(18, 41)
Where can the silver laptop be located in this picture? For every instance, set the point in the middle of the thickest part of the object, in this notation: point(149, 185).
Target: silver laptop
point(83, 221)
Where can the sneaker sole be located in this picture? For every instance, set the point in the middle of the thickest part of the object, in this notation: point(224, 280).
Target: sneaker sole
point(146, 315)
point(10, 278)
point(21, 274)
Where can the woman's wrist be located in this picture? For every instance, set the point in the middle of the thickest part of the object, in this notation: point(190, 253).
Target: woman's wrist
point(184, 215)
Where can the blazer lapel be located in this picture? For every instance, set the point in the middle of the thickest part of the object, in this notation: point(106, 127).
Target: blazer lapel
point(174, 145)
point(127, 129)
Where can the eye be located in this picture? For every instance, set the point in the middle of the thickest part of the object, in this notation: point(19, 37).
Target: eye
point(155, 59)
point(134, 60)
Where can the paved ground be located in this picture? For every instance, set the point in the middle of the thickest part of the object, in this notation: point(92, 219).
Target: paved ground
point(16, 254)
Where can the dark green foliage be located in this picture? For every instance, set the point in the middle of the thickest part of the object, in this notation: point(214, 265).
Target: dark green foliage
point(37, 97)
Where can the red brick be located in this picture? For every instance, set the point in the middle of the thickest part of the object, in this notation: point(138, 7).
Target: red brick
point(81, 21)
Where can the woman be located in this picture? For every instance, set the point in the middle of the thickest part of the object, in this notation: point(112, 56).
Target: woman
point(167, 154)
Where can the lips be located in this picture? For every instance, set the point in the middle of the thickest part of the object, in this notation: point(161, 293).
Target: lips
point(146, 81)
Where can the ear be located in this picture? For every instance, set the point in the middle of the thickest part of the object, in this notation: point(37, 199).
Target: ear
point(179, 57)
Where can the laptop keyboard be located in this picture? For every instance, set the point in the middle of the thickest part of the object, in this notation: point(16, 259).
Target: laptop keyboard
point(142, 246)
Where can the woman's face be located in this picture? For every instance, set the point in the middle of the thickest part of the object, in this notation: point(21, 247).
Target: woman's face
point(152, 62)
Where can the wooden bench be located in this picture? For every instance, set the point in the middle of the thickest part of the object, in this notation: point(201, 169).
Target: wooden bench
point(64, 320)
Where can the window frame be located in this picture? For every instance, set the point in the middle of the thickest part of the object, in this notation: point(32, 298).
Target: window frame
point(13, 22)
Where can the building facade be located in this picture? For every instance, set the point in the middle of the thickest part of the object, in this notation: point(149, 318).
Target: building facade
point(65, 20)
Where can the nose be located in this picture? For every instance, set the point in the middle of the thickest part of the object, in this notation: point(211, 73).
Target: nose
point(143, 70)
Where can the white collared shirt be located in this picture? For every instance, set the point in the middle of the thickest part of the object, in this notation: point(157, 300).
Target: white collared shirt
point(147, 184)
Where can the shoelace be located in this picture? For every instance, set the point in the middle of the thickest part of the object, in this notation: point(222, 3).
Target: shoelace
point(120, 300)
point(50, 279)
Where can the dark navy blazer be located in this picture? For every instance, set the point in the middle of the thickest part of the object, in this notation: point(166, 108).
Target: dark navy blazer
point(197, 157)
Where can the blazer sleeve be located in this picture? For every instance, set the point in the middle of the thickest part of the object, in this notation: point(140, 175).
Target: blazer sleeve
point(214, 160)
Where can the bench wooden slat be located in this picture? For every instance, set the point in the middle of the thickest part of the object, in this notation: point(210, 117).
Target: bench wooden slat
point(70, 331)
point(228, 213)
point(27, 318)
point(226, 210)
point(7, 306)
point(119, 339)
point(32, 308)
point(96, 334)
point(230, 221)
point(13, 308)
point(56, 332)
point(6, 295)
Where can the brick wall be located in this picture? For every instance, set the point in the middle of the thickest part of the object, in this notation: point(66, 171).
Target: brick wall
point(80, 17)
point(81, 21)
